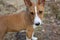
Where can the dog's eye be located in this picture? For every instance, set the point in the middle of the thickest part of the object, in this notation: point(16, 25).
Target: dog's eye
point(32, 13)
point(40, 12)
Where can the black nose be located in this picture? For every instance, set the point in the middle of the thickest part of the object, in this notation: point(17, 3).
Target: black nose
point(37, 24)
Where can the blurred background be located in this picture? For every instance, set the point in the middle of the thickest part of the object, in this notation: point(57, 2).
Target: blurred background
point(50, 30)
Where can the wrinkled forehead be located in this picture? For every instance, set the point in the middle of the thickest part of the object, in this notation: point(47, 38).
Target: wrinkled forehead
point(39, 7)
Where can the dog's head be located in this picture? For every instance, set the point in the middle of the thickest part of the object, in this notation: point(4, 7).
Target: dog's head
point(36, 10)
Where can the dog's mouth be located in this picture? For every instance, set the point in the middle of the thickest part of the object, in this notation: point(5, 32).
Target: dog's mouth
point(35, 26)
point(38, 23)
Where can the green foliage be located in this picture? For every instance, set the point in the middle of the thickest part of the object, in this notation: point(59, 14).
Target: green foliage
point(45, 14)
point(58, 17)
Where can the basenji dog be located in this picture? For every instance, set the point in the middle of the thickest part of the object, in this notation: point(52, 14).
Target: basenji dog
point(26, 20)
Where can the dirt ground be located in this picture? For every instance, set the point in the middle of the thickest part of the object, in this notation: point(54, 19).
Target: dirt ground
point(50, 30)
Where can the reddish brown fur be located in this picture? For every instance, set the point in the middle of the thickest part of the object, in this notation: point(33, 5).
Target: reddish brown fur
point(20, 21)
point(16, 22)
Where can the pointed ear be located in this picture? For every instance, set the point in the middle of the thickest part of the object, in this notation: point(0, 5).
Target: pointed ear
point(41, 2)
point(28, 3)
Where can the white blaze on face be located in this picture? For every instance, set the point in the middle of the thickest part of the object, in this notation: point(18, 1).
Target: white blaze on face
point(37, 19)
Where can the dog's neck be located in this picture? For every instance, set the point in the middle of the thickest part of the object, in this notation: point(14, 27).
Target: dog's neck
point(27, 18)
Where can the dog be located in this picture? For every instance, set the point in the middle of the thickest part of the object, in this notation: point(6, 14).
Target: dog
point(26, 20)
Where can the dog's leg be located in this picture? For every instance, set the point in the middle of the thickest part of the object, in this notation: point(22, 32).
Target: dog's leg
point(2, 35)
point(2, 31)
point(29, 33)
point(27, 38)
point(34, 38)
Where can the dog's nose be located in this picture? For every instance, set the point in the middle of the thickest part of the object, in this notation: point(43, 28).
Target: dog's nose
point(37, 24)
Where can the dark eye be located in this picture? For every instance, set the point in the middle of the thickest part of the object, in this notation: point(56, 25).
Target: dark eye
point(32, 13)
point(40, 12)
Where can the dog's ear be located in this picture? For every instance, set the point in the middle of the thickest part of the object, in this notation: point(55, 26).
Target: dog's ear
point(41, 2)
point(28, 3)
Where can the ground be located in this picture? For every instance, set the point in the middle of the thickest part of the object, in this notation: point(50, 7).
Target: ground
point(50, 30)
